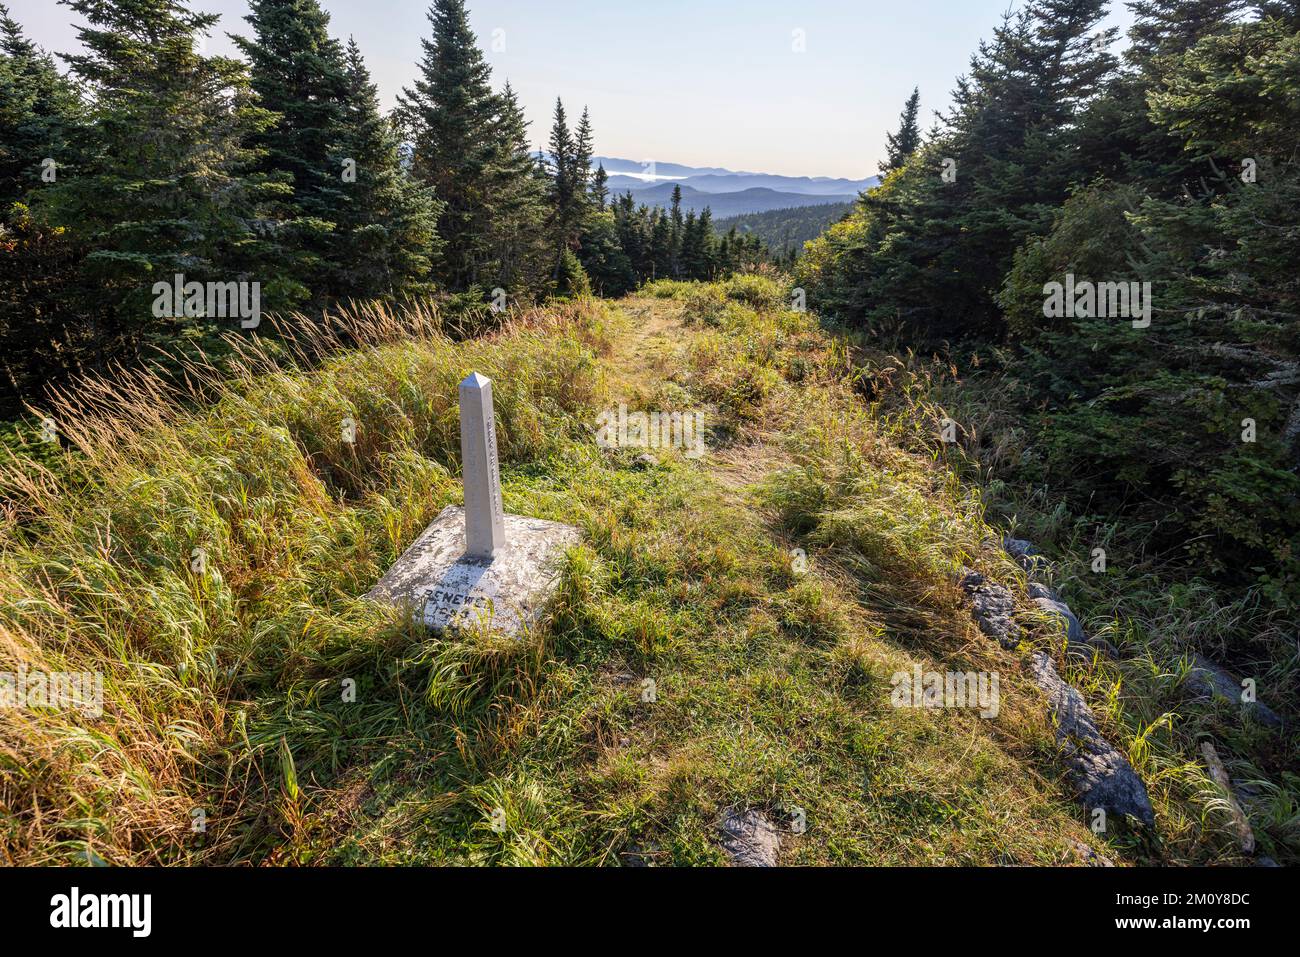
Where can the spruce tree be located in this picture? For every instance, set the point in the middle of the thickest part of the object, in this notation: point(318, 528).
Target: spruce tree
point(386, 232)
point(451, 115)
point(166, 186)
point(517, 230)
point(582, 150)
point(659, 254)
point(1119, 139)
point(899, 146)
point(675, 231)
point(38, 111)
point(708, 246)
point(599, 187)
point(1163, 28)
point(565, 192)
point(298, 73)
point(1285, 11)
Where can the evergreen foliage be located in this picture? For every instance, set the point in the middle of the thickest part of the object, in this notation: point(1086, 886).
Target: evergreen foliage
point(1180, 171)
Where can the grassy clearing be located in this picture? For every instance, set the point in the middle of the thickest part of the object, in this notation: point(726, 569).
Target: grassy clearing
point(225, 687)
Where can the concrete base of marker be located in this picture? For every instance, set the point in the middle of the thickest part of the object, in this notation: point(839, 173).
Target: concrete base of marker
point(444, 588)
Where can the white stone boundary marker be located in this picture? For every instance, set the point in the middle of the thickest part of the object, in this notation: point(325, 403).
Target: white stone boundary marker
point(485, 527)
point(477, 566)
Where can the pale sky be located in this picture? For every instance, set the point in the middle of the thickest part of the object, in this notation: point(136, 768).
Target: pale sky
point(701, 82)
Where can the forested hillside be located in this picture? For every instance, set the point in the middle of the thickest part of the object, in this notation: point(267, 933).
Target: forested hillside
point(785, 231)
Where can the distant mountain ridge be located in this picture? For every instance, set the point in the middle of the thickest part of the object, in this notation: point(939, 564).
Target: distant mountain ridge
point(756, 199)
point(714, 179)
point(727, 192)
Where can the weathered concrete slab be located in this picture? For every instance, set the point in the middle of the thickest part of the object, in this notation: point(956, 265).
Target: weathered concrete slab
point(446, 588)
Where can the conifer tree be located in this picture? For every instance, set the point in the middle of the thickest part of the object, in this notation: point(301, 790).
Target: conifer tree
point(38, 110)
point(582, 150)
point(567, 187)
point(1119, 139)
point(659, 253)
point(451, 114)
point(166, 186)
point(297, 70)
point(517, 232)
point(599, 187)
point(676, 226)
point(49, 312)
point(386, 221)
point(899, 146)
point(708, 245)
point(1169, 27)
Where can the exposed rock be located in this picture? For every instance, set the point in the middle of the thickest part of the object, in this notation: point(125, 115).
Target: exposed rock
point(1024, 553)
point(1102, 776)
point(750, 839)
point(1050, 602)
point(992, 606)
point(1091, 856)
point(1208, 680)
point(641, 855)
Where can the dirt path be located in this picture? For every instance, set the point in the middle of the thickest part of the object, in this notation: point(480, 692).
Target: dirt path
point(651, 344)
point(651, 348)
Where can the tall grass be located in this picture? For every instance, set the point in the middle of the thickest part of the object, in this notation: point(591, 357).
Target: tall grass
point(205, 549)
point(1152, 606)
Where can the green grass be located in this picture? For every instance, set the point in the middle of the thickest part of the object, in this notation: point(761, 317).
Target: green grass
point(1153, 607)
point(225, 690)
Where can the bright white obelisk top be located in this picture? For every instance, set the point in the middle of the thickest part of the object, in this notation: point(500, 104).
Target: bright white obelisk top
point(485, 528)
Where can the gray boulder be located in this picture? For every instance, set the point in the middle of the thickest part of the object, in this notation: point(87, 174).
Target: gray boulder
point(1025, 554)
point(1102, 776)
point(1090, 856)
point(1050, 602)
point(1208, 680)
point(992, 606)
point(750, 839)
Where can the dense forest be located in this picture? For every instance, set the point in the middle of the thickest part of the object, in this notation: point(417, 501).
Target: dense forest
point(277, 180)
point(1067, 181)
point(785, 231)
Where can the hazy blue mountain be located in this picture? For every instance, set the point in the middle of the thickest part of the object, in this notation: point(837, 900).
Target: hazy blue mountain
point(613, 164)
point(753, 200)
point(808, 185)
point(625, 174)
point(618, 183)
